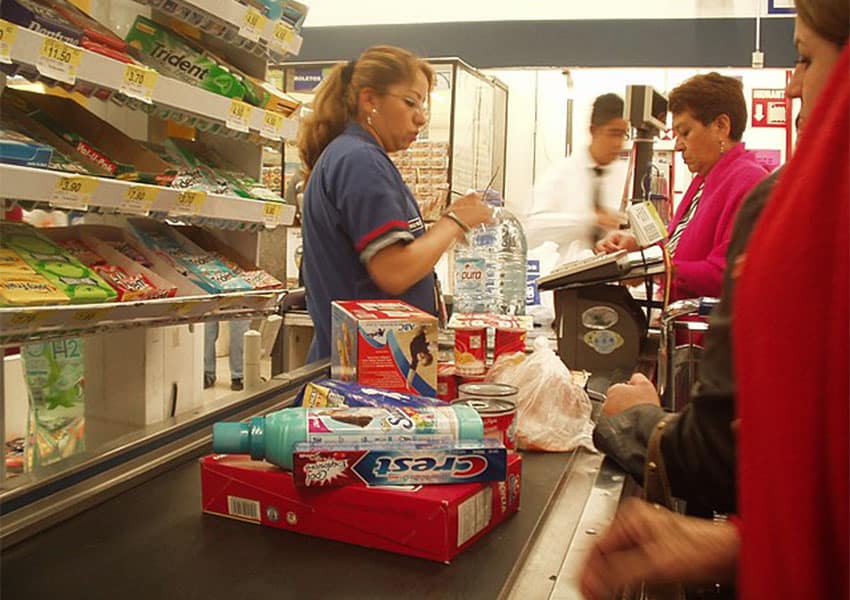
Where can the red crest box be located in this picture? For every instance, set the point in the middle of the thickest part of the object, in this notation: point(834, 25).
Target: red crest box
point(435, 522)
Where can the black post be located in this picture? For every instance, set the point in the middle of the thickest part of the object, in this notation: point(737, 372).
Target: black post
point(643, 164)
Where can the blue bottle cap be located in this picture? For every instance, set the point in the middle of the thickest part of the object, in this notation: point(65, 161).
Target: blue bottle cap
point(231, 438)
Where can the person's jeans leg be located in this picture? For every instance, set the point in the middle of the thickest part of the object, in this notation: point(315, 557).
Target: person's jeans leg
point(210, 336)
point(237, 344)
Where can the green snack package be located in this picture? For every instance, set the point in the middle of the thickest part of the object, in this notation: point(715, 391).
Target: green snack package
point(54, 373)
point(174, 55)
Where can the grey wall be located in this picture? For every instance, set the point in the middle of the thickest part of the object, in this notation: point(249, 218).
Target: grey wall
point(586, 43)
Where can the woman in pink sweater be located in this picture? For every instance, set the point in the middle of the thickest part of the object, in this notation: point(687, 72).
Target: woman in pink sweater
point(709, 118)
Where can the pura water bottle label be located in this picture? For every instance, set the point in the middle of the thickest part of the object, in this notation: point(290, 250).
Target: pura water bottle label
point(470, 275)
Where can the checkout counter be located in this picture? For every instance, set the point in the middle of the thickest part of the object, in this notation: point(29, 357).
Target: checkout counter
point(139, 531)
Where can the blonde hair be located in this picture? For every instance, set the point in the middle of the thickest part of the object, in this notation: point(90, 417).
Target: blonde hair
point(335, 103)
point(830, 19)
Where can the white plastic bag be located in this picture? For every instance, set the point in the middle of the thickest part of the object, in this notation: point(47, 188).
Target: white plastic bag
point(553, 413)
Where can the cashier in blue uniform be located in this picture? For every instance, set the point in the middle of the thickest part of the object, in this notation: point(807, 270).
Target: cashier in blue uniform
point(578, 199)
point(363, 233)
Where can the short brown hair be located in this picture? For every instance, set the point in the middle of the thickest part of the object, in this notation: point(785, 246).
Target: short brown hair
point(335, 103)
point(708, 96)
point(830, 19)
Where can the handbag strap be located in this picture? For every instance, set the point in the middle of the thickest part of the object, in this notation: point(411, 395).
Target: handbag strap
point(656, 485)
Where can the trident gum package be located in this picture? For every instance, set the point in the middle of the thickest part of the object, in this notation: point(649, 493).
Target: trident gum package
point(384, 343)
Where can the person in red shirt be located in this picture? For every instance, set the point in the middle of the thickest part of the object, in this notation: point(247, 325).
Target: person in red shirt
point(792, 316)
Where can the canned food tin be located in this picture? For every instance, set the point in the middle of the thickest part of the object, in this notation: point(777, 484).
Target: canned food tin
point(498, 416)
point(496, 391)
point(508, 341)
point(446, 382)
point(470, 350)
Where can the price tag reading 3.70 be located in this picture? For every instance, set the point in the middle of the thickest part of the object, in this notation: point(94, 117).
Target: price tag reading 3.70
point(138, 199)
point(139, 83)
point(59, 60)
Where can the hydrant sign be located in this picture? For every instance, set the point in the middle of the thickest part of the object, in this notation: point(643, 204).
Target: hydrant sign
point(769, 109)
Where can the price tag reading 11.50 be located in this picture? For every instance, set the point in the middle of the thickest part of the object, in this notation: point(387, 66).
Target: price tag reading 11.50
point(59, 60)
point(8, 31)
point(239, 116)
point(138, 199)
point(73, 192)
point(271, 214)
point(189, 202)
point(139, 83)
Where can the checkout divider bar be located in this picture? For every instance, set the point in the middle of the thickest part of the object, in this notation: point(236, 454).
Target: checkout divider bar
point(30, 509)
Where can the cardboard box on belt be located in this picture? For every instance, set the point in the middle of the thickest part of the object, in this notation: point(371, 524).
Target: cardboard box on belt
point(435, 522)
point(384, 343)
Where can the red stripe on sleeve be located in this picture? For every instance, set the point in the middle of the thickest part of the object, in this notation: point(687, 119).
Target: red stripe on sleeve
point(378, 232)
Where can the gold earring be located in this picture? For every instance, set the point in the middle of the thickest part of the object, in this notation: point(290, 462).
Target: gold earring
point(722, 147)
point(369, 117)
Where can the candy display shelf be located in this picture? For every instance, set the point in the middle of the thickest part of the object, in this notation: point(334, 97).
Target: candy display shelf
point(273, 39)
point(146, 89)
point(79, 192)
point(38, 323)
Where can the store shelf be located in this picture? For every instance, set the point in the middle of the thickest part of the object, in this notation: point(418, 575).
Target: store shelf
point(216, 111)
point(275, 39)
point(23, 325)
point(41, 185)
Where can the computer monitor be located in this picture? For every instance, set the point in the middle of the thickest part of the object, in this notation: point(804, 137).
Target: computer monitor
point(645, 108)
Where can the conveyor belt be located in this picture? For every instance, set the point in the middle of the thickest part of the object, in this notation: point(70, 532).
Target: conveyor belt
point(152, 541)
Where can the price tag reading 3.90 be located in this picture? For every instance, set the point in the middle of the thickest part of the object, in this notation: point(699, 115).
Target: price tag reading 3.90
point(58, 60)
point(189, 202)
point(8, 31)
point(73, 192)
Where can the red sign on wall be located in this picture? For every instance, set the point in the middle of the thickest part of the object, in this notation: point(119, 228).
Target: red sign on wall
point(769, 109)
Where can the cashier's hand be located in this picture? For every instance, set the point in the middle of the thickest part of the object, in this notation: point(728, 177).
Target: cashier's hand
point(609, 219)
point(472, 210)
point(616, 240)
point(623, 396)
point(649, 543)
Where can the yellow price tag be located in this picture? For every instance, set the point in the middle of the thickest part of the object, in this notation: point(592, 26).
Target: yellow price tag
point(139, 82)
point(284, 39)
point(139, 199)
point(272, 126)
point(253, 25)
point(59, 60)
point(8, 32)
point(90, 314)
point(239, 116)
point(74, 192)
point(271, 214)
point(184, 308)
point(26, 318)
point(189, 202)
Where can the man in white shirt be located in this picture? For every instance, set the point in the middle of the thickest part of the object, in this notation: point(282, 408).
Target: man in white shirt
point(578, 199)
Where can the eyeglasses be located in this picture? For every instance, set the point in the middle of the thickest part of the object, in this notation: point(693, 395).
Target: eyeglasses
point(412, 104)
point(617, 133)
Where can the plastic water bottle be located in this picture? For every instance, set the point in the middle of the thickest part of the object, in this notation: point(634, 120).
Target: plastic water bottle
point(490, 268)
point(275, 435)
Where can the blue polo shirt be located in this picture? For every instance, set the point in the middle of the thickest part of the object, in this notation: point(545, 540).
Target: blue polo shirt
point(355, 205)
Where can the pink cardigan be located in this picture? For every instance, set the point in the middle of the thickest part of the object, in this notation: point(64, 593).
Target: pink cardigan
point(700, 257)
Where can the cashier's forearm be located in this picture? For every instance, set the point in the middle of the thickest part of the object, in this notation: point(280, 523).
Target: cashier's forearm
point(396, 268)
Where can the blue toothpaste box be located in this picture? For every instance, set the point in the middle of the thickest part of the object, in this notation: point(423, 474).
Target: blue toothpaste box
point(399, 464)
